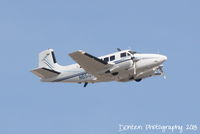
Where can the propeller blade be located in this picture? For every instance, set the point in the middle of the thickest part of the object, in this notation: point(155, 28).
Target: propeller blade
point(118, 49)
point(134, 67)
point(162, 72)
point(86, 83)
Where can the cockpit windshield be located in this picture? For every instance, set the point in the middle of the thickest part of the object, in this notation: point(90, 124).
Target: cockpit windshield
point(132, 52)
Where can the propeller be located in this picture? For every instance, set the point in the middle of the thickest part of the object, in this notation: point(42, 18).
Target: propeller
point(134, 67)
point(134, 60)
point(118, 49)
point(85, 85)
point(162, 72)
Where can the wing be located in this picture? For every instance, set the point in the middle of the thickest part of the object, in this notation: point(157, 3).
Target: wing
point(91, 64)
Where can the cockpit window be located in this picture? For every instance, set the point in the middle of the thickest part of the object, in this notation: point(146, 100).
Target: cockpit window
point(123, 55)
point(112, 58)
point(132, 52)
point(106, 59)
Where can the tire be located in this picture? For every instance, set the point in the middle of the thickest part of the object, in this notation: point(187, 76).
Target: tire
point(138, 80)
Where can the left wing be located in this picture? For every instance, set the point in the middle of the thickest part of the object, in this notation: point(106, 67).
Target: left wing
point(91, 64)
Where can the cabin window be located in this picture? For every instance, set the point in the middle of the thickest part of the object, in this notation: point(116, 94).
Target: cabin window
point(106, 59)
point(112, 58)
point(123, 55)
point(129, 54)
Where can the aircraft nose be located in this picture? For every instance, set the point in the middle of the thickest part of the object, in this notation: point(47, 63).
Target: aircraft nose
point(164, 58)
point(160, 59)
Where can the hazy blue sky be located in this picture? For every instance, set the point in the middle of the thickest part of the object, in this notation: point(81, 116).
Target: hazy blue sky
point(169, 27)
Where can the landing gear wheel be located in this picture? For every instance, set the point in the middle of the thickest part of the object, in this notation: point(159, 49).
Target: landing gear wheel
point(138, 80)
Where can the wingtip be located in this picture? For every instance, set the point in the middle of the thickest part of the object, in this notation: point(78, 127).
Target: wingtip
point(79, 51)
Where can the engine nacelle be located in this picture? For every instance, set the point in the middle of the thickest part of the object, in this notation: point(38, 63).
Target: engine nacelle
point(145, 74)
point(125, 65)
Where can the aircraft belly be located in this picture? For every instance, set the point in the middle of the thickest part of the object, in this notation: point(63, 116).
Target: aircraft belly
point(124, 76)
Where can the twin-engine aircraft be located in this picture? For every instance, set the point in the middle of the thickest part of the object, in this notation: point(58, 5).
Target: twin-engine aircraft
point(121, 66)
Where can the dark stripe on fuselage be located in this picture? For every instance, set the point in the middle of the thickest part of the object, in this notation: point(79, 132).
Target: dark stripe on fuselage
point(51, 70)
point(120, 61)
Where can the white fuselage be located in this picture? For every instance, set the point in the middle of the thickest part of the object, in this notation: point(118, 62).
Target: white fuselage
point(128, 66)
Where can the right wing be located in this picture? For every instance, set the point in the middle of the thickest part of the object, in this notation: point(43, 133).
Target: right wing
point(91, 64)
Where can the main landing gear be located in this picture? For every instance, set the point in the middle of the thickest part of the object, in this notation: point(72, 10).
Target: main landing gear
point(138, 80)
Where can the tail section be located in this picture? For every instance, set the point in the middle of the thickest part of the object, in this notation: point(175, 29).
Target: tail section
point(47, 59)
point(47, 66)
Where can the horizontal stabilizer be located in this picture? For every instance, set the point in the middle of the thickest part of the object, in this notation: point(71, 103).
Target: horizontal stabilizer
point(45, 73)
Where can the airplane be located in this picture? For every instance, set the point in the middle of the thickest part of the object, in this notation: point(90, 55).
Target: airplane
point(121, 66)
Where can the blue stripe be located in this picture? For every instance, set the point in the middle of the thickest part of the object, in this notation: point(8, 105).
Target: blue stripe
point(120, 61)
point(48, 64)
point(69, 77)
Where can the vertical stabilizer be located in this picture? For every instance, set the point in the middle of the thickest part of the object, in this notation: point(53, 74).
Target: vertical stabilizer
point(47, 60)
point(47, 66)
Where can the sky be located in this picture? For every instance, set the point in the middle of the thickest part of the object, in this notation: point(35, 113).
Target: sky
point(28, 106)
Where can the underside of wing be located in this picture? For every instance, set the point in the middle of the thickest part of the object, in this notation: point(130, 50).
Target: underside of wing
point(91, 64)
